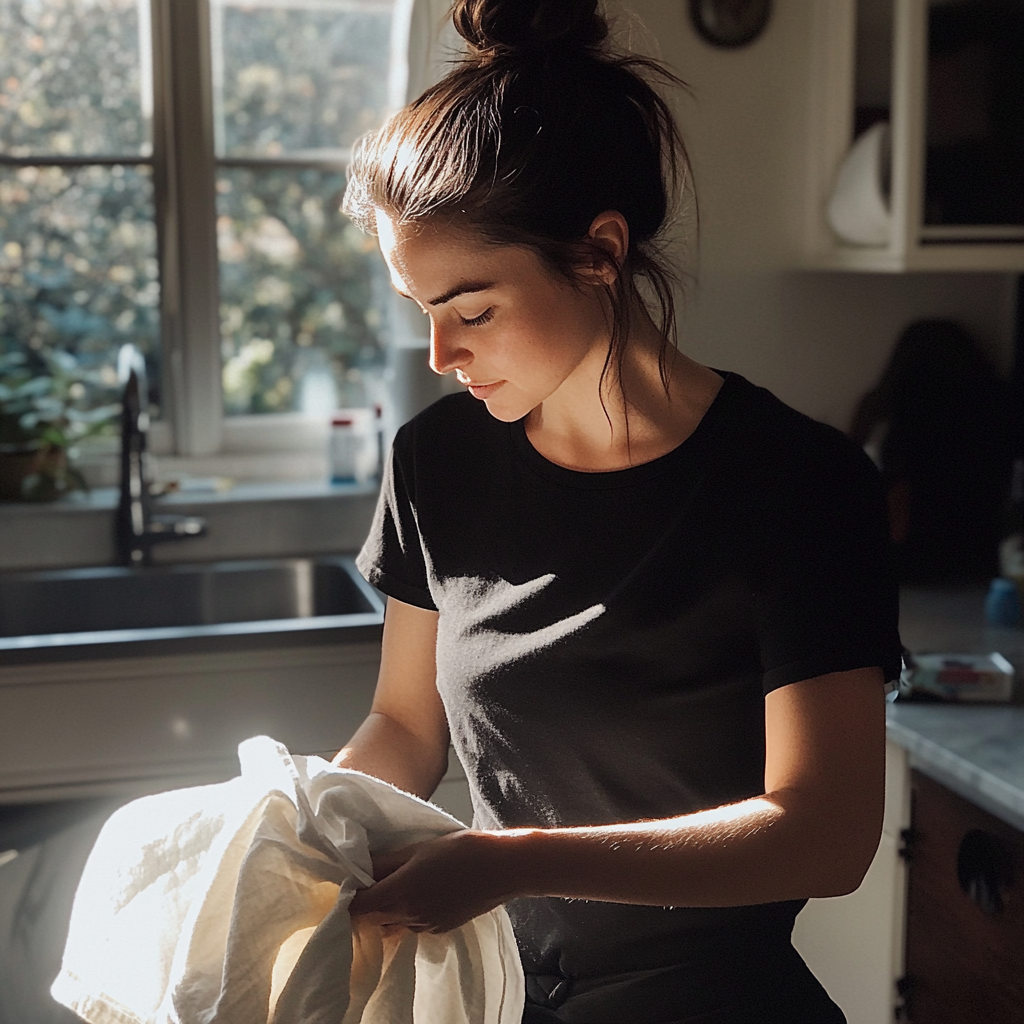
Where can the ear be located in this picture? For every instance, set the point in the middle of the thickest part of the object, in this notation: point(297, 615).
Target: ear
point(610, 231)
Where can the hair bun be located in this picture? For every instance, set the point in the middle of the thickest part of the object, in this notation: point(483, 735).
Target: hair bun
point(492, 25)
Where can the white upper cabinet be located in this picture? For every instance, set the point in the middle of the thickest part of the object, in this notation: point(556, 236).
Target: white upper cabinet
point(942, 187)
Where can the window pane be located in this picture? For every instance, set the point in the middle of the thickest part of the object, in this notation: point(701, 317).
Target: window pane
point(302, 293)
point(305, 76)
point(78, 266)
point(74, 79)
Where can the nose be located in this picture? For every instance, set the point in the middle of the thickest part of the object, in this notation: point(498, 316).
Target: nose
point(445, 352)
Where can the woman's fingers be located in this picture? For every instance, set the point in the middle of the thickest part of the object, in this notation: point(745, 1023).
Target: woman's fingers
point(385, 864)
point(433, 886)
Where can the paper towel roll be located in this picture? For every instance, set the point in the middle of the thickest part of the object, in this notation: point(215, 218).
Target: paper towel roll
point(858, 210)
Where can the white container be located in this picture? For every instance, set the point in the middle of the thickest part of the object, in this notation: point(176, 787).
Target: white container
point(858, 210)
point(354, 446)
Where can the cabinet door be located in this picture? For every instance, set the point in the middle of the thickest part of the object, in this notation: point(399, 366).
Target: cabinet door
point(848, 941)
point(965, 913)
point(872, 60)
point(854, 944)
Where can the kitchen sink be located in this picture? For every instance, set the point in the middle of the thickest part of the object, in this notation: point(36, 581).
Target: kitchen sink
point(106, 604)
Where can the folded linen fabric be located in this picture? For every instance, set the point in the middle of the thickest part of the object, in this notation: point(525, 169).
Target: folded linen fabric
point(228, 904)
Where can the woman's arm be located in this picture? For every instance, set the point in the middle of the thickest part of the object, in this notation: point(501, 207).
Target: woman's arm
point(812, 833)
point(404, 739)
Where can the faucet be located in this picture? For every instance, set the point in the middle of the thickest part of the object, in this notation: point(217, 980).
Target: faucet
point(136, 527)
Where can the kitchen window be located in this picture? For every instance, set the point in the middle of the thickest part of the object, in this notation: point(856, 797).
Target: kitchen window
point(170, 175)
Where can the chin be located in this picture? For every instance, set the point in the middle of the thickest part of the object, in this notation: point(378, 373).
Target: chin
point(504, 413)
point(507, 409)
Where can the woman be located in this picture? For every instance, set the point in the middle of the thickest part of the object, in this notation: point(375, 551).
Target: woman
point(649, 604)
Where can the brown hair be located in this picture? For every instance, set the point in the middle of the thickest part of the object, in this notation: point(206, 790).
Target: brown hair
point(537, 131)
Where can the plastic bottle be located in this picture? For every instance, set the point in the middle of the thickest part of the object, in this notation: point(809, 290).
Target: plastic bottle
point(354, 446)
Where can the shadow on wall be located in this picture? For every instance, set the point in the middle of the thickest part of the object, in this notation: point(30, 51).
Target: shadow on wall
point(939, 426)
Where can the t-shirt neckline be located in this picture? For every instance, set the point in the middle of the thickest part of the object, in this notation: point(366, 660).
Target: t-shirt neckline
point(631, 475)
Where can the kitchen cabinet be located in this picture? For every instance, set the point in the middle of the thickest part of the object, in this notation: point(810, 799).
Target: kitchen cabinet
point(122, 725)
point(871, 61)
point(965, 912)
point(854, 943)
point(923, 940)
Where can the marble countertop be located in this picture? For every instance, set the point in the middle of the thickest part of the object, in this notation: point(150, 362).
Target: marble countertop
point(975, 750)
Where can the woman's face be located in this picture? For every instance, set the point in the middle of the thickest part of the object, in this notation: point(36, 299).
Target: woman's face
point(515, 333)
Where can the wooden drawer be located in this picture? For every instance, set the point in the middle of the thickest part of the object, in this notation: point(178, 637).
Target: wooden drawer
point(965, 913)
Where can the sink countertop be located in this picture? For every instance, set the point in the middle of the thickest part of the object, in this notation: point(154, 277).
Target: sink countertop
point(976, 750)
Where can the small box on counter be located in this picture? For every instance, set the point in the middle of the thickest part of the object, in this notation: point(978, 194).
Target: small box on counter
point(961, 677)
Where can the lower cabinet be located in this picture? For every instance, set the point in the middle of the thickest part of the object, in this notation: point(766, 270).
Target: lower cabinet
point(935, 934)
point(854, 944)
point(129, 725)
point(965, 913)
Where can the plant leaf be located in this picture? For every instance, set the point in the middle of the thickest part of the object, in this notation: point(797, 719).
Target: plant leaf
point(35, 386)
point(64, 360)
point(55, 436)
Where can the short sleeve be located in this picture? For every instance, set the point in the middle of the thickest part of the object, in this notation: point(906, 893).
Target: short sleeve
point(825, 592)
point(392, 556)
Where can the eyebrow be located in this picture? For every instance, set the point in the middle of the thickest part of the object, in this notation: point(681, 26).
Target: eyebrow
point(462, 288)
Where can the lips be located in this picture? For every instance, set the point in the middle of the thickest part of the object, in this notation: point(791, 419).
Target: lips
point(483, 391)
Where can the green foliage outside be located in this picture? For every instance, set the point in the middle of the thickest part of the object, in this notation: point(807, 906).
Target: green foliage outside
point(78, 267)
point(297, 281)
point(79, 272)
point(296, 277)
point(297, 80)
point(71, 79)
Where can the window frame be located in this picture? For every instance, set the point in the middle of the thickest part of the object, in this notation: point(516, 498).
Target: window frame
point(193, 426)
point(184, 172)
point(183, 78)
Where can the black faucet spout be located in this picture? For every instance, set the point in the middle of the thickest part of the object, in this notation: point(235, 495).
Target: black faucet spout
point(136, 528)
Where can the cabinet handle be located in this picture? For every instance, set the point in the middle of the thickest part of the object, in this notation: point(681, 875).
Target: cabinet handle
point(908, 837)
point(901, 1011)
point(984, 870)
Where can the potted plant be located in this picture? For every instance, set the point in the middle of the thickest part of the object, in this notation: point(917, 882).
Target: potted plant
point(48, 404)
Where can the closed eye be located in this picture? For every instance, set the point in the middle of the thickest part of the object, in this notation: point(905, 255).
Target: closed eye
point(477, 321)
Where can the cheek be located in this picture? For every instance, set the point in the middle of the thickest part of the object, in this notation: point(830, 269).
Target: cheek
point(558, 343)
point(538, 358)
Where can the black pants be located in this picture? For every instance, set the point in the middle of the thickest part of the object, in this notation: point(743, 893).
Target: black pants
point(766, 988)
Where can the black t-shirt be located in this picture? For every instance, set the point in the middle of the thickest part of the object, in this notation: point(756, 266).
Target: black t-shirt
point(605, 639)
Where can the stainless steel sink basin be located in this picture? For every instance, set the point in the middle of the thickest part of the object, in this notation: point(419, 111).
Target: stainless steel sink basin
point(104, 604)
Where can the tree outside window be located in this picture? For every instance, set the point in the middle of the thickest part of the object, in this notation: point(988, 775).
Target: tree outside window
point(89, 211)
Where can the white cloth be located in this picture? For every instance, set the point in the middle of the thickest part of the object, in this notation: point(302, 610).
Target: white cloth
point(228, 904)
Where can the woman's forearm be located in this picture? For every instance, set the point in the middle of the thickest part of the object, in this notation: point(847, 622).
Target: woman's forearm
point(760, 850)
point(385, 749)
point(813, 833)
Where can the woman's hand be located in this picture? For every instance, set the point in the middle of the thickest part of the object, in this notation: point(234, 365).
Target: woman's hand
point(440, 884)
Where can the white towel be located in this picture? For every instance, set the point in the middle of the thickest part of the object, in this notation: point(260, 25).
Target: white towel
point(228, 904)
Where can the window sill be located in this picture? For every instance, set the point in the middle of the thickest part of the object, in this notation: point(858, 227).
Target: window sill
point(251, 520)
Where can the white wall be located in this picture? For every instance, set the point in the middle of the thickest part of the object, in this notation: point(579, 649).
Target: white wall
point(818, 340)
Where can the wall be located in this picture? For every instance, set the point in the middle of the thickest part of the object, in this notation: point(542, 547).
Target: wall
point(818, 340)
